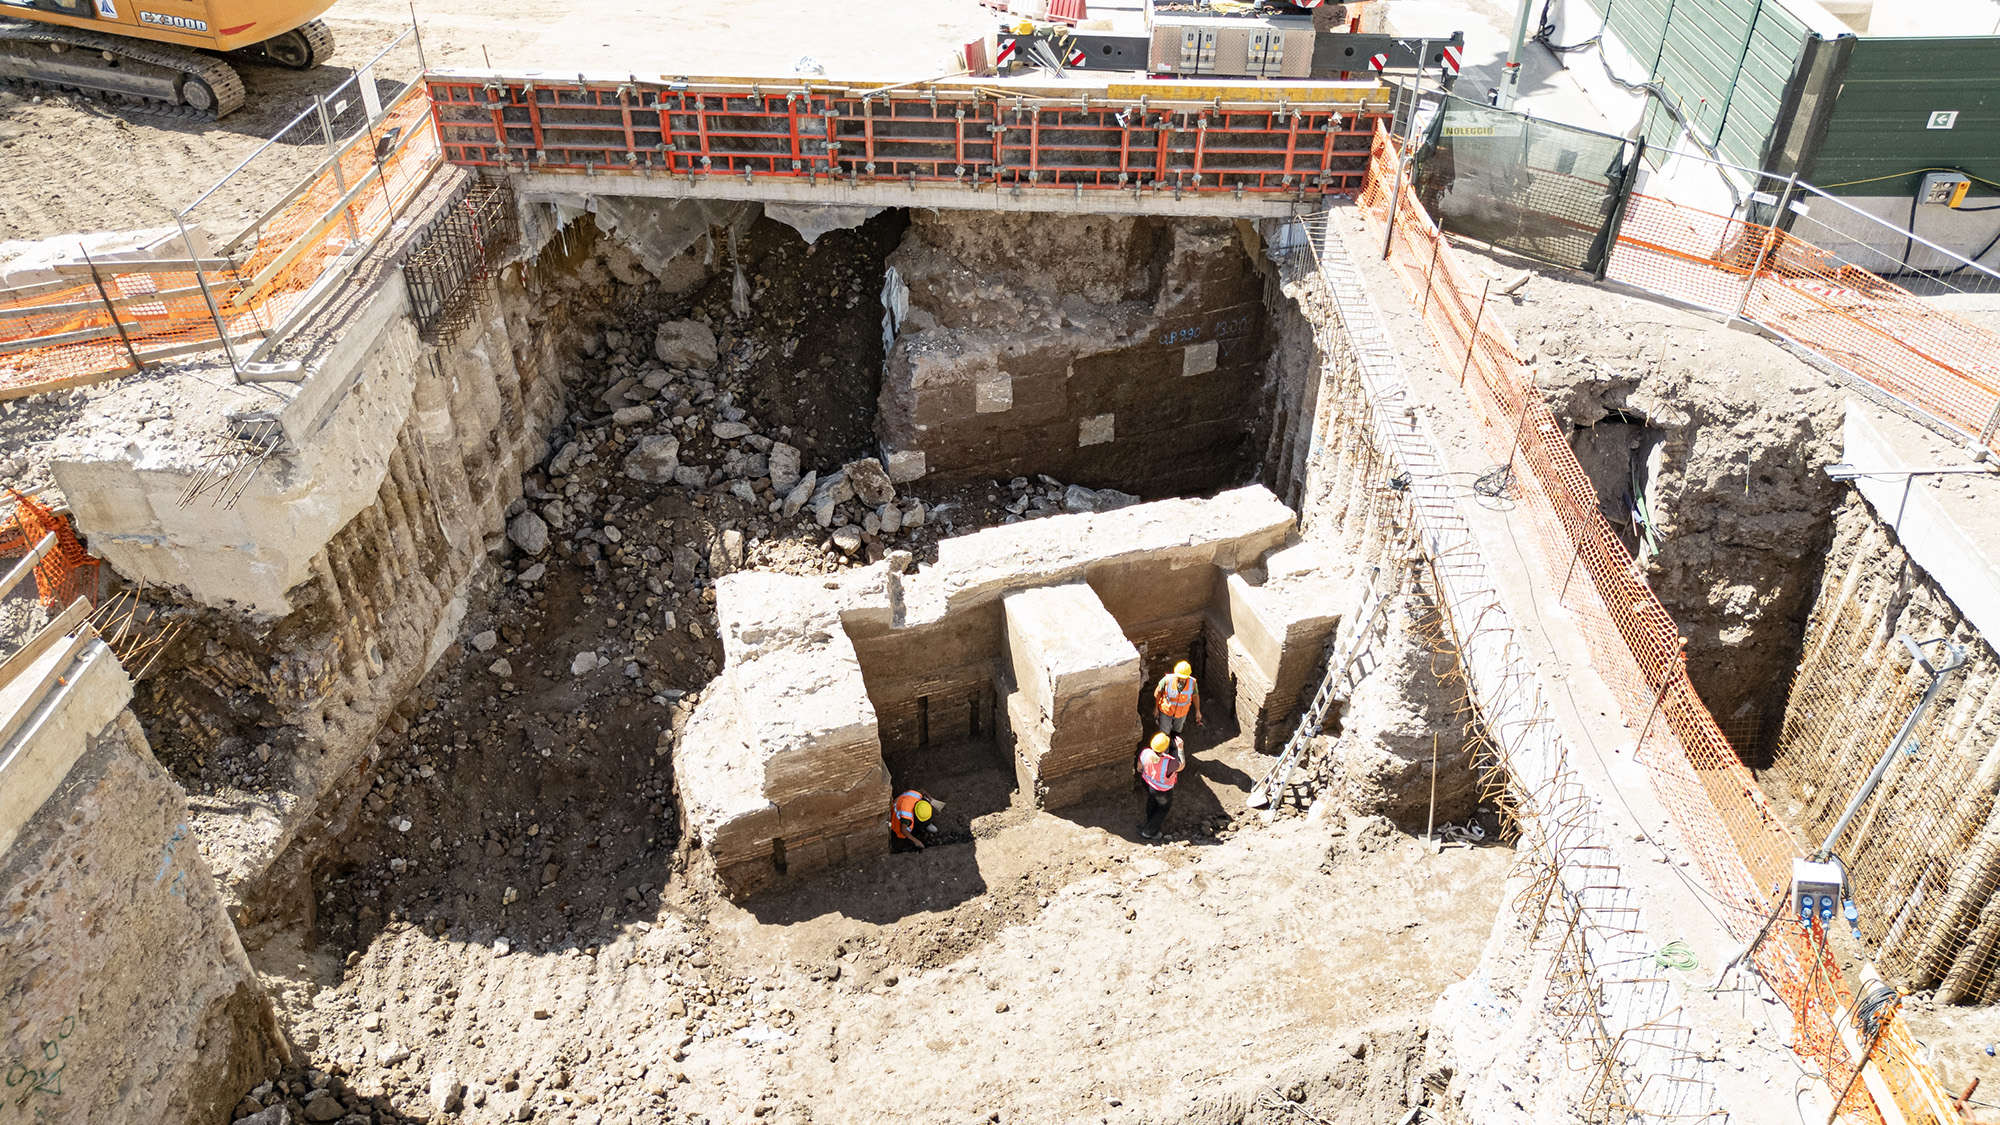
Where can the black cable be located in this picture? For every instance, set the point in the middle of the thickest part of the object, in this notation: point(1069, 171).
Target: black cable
point(1910, 232)
point(1983, 250)
point(1496, 483)
point(1868, 1009)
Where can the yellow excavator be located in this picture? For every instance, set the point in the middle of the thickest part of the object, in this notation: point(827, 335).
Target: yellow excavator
point(158, 55)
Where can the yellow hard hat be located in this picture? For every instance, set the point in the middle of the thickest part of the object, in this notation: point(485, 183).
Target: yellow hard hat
point(1183, 669)
point(1160, 743)
point(923, 811)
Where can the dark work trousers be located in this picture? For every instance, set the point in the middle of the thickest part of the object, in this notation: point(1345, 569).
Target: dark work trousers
point(1157, 804)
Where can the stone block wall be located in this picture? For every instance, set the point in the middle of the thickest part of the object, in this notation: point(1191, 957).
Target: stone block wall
point(1069, 710)
point(1112, 351)
point(781, 767)
point(1066, 621)
point(1267, 635)
point(128, 995)
point(931, 684)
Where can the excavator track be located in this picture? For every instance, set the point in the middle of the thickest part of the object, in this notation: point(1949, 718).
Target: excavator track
point(151, 77)
point(302, 48)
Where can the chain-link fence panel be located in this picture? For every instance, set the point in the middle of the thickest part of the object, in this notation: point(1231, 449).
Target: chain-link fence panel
point(1538, 188)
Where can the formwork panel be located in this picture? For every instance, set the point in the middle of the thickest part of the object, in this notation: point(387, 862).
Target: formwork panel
point(1308, 140)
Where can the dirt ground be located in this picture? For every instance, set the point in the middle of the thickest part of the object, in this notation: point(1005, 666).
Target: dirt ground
point(1053, 967)
point(71, 164)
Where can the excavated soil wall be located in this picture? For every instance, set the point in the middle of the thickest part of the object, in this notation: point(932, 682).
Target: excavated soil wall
point(1924, 856)
point(128, 994)
point(267, 711)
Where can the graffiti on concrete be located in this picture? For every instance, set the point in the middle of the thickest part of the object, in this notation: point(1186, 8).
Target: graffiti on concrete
point(42, 1072)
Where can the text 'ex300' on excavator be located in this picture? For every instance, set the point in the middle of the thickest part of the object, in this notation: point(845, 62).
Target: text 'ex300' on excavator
point(159, 55)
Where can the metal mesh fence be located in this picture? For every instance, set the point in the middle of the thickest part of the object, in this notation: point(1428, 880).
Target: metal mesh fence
point(1741, 847)
point(96, 321)
point(64, 574)
point(1872, 328)
point(1924, 857)
point(1535, 187)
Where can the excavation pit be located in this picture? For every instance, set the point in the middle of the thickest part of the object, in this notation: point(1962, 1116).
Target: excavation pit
point(455, 719)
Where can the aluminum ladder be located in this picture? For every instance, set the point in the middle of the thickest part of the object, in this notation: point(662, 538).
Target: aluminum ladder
point(1344, 672)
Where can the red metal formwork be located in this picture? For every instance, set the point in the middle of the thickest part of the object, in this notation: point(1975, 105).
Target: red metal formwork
point(1106, 138)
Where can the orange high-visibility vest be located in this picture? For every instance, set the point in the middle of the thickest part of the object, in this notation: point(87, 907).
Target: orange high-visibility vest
point(1159, 770)
point(903, 814)
point(1174, 697)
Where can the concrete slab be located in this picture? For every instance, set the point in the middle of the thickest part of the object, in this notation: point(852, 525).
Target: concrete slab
point(1229, 530)
point(1948, 522)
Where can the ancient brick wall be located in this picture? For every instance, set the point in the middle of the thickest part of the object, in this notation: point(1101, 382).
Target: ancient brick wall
point(1115, 352)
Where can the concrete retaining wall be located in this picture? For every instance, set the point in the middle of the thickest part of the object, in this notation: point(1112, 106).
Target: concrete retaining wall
point(339, 576)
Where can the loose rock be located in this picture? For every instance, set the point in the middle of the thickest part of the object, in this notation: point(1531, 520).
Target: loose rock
point(655, 460)
point(784, 467)
point(684, 343)
point(870, 481)
point(529, 532)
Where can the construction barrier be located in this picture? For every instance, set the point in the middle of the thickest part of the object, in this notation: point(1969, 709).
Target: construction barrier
point(1301, 141)
point(1868, 326)
point(64, 574)
point(1743, 850)
point(101, 321)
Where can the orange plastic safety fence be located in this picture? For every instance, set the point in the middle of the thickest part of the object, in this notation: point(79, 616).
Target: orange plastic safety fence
point(1743, 850)
point(1877, 330)
point(64, 574)
point(68, 332)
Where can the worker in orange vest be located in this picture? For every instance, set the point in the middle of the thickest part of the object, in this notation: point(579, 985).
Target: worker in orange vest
point(1160, 764)
point(1173, 697)
point(910, 820)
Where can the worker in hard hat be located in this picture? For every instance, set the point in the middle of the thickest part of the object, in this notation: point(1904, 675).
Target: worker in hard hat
point(912, 823)
point(1173, 697)
point(1160, 764)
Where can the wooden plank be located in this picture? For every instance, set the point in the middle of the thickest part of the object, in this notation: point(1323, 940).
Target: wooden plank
point(10, 725)
point(81, 335)
point(113, 268)
point(87, 379)
point(55, 630)
point(26, 311)
point(27, 564)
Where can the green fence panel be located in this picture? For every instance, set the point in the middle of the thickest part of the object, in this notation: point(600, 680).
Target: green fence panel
point(1722, 66)
point(1882, 132)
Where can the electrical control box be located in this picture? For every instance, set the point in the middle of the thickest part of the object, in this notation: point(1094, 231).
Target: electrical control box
point(1944, 188)
point(1816, 890)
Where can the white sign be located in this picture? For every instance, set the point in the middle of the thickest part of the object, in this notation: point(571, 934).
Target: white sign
point(179, 23)
point(1491, 129)
point(1943, 119)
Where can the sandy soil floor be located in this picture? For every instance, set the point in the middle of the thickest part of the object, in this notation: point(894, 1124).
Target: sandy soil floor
point(1053, 967)
point(71, 164)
